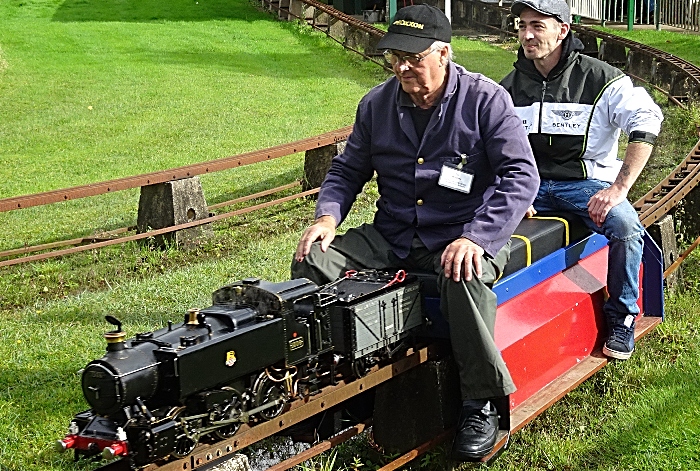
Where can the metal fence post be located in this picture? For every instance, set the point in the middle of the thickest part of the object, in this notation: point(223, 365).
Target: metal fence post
point(630, 15)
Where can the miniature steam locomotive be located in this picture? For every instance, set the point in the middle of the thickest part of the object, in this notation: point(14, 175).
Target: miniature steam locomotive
point(241, 360)
point(262, 344)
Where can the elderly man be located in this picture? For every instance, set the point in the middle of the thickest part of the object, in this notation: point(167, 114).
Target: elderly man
point(573, 108)
point(455, 176)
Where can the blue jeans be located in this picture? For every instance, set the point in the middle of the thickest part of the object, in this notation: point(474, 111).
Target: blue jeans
point(622, 229)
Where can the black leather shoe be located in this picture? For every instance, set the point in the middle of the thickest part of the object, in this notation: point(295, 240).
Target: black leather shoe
point(477, 430)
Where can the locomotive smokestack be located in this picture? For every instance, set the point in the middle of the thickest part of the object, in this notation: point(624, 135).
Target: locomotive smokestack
point(115, 341)
point(115, 338)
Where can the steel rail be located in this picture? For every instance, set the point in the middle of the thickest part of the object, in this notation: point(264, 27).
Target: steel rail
point(94, 189)
point(326, 29)
point(661, 199)
point(62, 243)
point(325, 445)
point(418, 451)
point(109, 235)
point(253, 196)
point(298, 410)
point(345, 18)
point(154, 232)
point(657, 88)
point(677, 262)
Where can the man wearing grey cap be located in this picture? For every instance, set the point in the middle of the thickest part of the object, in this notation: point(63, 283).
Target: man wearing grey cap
point(573, 108)
point(455, 175)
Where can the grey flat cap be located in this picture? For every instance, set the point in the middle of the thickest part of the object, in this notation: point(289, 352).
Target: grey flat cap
point(556, 8)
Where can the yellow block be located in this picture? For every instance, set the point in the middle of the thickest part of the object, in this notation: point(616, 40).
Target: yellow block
point(528, 249)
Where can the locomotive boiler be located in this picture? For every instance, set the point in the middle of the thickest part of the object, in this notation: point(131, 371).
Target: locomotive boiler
point(241, 360)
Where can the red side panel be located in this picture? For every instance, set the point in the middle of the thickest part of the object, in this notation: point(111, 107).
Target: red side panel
point(548, 329)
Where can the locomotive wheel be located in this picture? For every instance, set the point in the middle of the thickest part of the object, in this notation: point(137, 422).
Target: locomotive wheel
point(267, 391)
point(233, 410)
point(360, 367)
point(184, 446)
point(186, 440)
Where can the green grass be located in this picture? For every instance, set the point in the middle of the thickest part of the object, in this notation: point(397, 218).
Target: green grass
point(93, 92)
point(89, 93)
point(683, 45)
point(479, 56)
point(171, 83)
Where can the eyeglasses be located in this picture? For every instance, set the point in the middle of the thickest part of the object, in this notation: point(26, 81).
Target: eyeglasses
point(412, 59)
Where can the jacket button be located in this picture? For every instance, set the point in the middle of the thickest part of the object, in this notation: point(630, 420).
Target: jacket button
point(420, 160)
point(419, 202)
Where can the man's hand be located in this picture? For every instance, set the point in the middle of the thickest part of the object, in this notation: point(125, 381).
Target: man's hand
point(602, 202)
point(530, 212)
point(458, 257)
point(323, 229)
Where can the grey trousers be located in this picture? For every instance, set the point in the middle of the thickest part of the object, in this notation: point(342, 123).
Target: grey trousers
point(469, 307)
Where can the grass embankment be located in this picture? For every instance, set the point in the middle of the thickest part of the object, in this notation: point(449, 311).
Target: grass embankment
point(683, 45)
point(169, 86)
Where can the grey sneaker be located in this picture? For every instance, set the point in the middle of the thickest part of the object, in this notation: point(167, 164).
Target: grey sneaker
point(620, 344)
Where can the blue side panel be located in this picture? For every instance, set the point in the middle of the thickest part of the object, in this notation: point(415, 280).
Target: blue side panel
point(653, 281)
point(522, 280)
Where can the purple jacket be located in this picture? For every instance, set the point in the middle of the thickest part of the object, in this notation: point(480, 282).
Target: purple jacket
point(475, 117)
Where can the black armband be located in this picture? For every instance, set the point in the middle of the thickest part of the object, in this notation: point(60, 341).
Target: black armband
point(642, 136)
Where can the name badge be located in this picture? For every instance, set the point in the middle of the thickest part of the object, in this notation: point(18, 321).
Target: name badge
point(453, 178)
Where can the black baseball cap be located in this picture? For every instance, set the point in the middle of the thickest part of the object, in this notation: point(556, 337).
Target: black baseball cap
point(556, 8)
point(415, 28)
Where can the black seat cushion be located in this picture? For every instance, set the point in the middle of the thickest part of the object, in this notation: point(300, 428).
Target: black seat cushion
point(533, 239)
